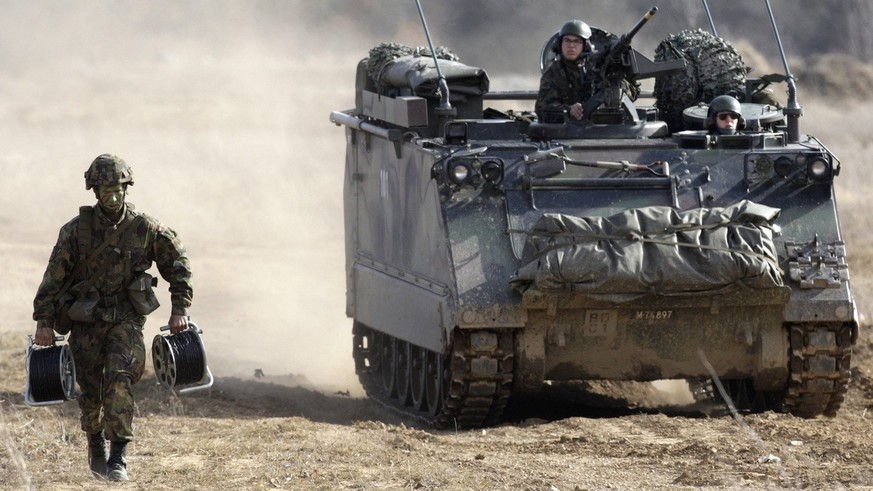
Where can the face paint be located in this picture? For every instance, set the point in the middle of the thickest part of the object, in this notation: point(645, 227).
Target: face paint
point(111, 198)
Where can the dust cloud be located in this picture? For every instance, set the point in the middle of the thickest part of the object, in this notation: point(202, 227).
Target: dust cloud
point(225, 123)
point(222, 110)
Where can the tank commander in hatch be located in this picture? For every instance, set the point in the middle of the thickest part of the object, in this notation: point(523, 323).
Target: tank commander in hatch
point(565, 84)
point(99, 264)
point(724, 116)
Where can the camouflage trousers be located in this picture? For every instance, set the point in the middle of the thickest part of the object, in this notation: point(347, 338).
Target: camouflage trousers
point(109, 359)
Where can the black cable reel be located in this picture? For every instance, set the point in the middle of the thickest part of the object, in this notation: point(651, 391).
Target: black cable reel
point(51, 374)
point(180, 360)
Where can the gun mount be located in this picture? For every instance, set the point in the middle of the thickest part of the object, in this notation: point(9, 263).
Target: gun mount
point(616, 68)
point(620, 65)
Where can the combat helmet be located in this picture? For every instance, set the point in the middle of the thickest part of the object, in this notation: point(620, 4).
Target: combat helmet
point(725, 103)
point(576, 28)
point(108, 170)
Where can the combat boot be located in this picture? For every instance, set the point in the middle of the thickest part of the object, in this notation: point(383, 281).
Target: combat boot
point(97, 454)
point(117, 465)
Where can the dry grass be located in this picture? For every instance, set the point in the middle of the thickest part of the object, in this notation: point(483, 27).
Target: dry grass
point(242, 434)
point(233, 148)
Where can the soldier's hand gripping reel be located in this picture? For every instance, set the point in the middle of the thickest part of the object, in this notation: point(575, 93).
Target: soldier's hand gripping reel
point(180, 360)
point(51, 374)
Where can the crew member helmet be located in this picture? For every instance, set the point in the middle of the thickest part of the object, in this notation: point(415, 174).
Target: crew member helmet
point(576, 28)
point(108, 170)
point(725, 103)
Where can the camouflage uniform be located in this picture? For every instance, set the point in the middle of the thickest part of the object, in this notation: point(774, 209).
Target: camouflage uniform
point(563, 84)
point(109, 353)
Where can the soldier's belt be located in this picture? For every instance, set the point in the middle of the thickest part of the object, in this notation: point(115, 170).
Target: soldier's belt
point(113, 300)
point(114, 313)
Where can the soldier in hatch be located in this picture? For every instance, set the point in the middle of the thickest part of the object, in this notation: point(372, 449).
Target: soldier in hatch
point(724, 116)
point(576, 76)
point(564, 86)
point(100, 262)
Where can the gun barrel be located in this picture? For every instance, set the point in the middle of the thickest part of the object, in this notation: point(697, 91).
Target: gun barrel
point(641, 23)
point(625, 40)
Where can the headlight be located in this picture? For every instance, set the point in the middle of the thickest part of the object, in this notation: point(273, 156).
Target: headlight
point(460, 172)
point(818, 169)
point(469, 172)
point(492, 171)
point(783, 166)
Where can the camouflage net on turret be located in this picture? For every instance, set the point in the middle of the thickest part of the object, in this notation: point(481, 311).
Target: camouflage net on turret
point(384, 54)
point(713, 67)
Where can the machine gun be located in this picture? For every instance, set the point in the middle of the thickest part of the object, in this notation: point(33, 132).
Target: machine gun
point(618, 65)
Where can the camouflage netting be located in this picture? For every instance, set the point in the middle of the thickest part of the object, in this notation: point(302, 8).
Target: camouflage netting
point(652, 250)
point(395, 69)
point(385, 54)
point(713, 67)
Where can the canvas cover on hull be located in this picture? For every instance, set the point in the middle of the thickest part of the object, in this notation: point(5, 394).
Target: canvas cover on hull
point(652, 250)
point(419, 74)
point(395, 66)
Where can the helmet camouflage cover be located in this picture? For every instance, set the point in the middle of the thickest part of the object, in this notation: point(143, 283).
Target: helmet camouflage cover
point(108, 170)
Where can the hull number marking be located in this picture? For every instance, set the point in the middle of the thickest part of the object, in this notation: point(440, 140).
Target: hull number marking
point(653, 315)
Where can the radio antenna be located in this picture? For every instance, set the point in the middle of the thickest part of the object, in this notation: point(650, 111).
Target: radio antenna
point(709, 16)
point(445, 108)
point(793, 110)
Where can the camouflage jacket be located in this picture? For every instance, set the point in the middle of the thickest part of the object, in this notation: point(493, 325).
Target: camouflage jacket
point(562, 85)
point(148, 242)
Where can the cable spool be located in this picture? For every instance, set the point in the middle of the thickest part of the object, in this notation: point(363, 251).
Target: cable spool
point(51, 375)
point(180, 359)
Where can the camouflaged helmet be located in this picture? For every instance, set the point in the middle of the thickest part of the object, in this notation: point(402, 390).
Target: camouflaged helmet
point(108, 170)
point(725, 103)
point(576, 28)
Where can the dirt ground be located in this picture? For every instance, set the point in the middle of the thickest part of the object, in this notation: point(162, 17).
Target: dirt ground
point(227, 131)
point(275, 433)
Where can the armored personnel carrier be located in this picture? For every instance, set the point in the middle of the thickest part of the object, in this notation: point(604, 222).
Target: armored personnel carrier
point(489, 252)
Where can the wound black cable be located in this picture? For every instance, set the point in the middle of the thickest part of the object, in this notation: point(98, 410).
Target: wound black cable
point(46, 374)
point(187, 359)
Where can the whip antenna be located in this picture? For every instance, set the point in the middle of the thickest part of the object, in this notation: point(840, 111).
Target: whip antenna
point(445, 107)
point(709, 16)
point(793, 110)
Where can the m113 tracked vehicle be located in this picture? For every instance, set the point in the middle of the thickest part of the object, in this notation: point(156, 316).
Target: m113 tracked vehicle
point(489, 253)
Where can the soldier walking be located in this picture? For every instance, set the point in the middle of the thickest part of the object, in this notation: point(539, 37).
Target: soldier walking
point(96, 288)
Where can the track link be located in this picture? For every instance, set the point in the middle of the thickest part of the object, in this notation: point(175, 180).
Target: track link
point(475, 380)
point(819, 368)
point(819, 373)
point(481, 379)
